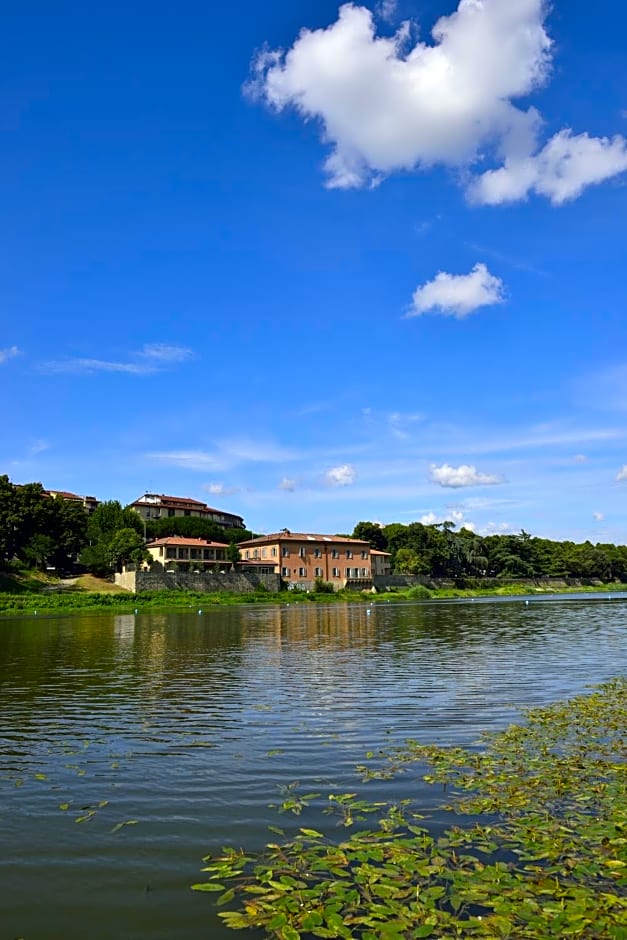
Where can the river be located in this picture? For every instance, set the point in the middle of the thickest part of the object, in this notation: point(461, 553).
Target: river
point(182, 727)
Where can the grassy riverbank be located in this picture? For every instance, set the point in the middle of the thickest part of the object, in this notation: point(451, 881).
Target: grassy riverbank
point(538, 848)
point(24, 591)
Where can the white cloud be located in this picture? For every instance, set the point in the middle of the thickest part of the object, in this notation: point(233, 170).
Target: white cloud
point(387, 10)
point(162, 352)
point(565, 166)
point(400, 423)
point(598, 516)
point(580, 458)
point(463, 475)
point(621, 476)
point(189, 459)
point(9, 353)
point(458, 295)
point(341, 476)
point(219, 489)
point(151, 359)
point(288, 485)
point(389, 104)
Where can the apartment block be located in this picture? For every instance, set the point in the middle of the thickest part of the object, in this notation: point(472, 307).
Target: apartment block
point(160, 506)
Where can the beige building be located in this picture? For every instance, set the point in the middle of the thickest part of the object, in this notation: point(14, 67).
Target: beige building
point(380, 563)
point(177, 553)
point(160, 506)
point(301, 557)
point(89, 503)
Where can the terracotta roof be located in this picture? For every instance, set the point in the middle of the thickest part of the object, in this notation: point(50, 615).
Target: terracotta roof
point(182, 542)
point(147, 498)
point(303, 537)
point(375, 551)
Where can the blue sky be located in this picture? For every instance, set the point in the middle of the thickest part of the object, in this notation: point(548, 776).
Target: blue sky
point(317, 264)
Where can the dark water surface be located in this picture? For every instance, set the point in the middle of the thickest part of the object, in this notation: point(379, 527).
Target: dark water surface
point(189, 723)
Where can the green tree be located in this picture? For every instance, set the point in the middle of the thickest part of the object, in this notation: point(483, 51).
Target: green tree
point(233, 554)
point(372, 533)
point(126, 547)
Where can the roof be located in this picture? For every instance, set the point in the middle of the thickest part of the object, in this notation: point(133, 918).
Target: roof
point(182, 542)
point(160, 499)
point(376, 551)
point(287, 536)
point(64, 494)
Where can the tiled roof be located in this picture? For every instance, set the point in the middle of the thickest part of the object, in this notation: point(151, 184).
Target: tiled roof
point(147, 499)
point(302, 537)
point(375, 551)
point(182, 542)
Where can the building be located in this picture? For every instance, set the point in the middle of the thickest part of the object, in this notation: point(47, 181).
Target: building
point(89, 503)
point(177, 553)
point(381, 565)
point(160, 506)
point(301, 557)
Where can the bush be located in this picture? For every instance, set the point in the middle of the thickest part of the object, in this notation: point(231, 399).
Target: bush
point(323, 587)
point(419, 592)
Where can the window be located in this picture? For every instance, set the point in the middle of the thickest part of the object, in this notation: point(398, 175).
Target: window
point(365, 573)
point(186, 512)
point(273, 552)
point(302, 572)
point(318, 572)
point(285, 552)
point(301, 552)
point(335, 553)
point(349, 554)
point(263, 552)
point(208, 553)
point(170, 553)
point(256, 553)
point(247, 554)
point(194, 553)
point(183, 552)
point(336, 572)
point(348, 572)
point(285, 572)
point(364, 554)
point(170, 512)
point(317, 553)
point(161, 550)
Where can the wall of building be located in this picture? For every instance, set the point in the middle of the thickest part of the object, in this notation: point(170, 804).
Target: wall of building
point(237, 582)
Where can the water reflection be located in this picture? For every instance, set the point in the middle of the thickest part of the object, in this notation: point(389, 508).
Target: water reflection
point(188, 723)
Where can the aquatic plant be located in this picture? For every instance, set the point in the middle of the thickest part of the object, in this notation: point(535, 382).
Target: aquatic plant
point(538, 848)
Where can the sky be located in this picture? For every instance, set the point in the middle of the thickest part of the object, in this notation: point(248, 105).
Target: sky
point(316, 264)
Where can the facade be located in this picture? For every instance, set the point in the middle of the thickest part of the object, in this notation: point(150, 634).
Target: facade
point(160, 506)
point(89, 503)
point(180, 554)
point(301, 557)
point(381, 566)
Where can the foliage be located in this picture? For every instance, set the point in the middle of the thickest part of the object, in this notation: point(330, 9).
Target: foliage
point(420, 593)
point(323, 587)
point(542, 852)
point(372, 533)
point(233, 553)
point(126, 547)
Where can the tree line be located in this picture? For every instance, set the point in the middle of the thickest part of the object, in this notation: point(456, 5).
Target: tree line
point(438, 551)
point(48, 532)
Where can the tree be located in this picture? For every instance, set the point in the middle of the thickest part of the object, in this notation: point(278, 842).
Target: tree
point(126, 547)
point(233, 554)
point(372, 533)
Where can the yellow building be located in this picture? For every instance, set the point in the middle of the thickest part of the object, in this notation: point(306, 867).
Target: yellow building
point(302, 557)
point(177, 553)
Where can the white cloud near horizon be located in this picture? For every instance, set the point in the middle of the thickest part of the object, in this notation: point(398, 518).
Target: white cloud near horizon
point(344, 475)
point(389, 104)
point(10, 352)
point(287, 484)
point(464, 475)
point(219, 489)
point(621, 476)
point(457, 295)
point(598, 516)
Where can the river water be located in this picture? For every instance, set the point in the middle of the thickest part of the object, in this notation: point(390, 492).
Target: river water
point(183, 727)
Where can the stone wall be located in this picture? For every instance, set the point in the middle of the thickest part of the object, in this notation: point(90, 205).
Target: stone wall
point(236, 582)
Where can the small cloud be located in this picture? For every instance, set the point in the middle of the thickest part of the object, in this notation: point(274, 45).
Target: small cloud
point(387, 10)
point(219, 489)
point(37, 447)
point(287, 485)
point(458, 295)
point(496, 528)
point(10, 352)
point(341, 476)
point(161, 352)
point(621, 476)
point(152, 358)
point(400, 423)
point(189, 459)
point(598, 516)
point(463, 475)
point(580, 458)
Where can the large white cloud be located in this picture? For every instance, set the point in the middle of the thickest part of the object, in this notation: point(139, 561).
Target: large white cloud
point(561, 170)
point(457, 295)
point(463, 475)
point(389, 103)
